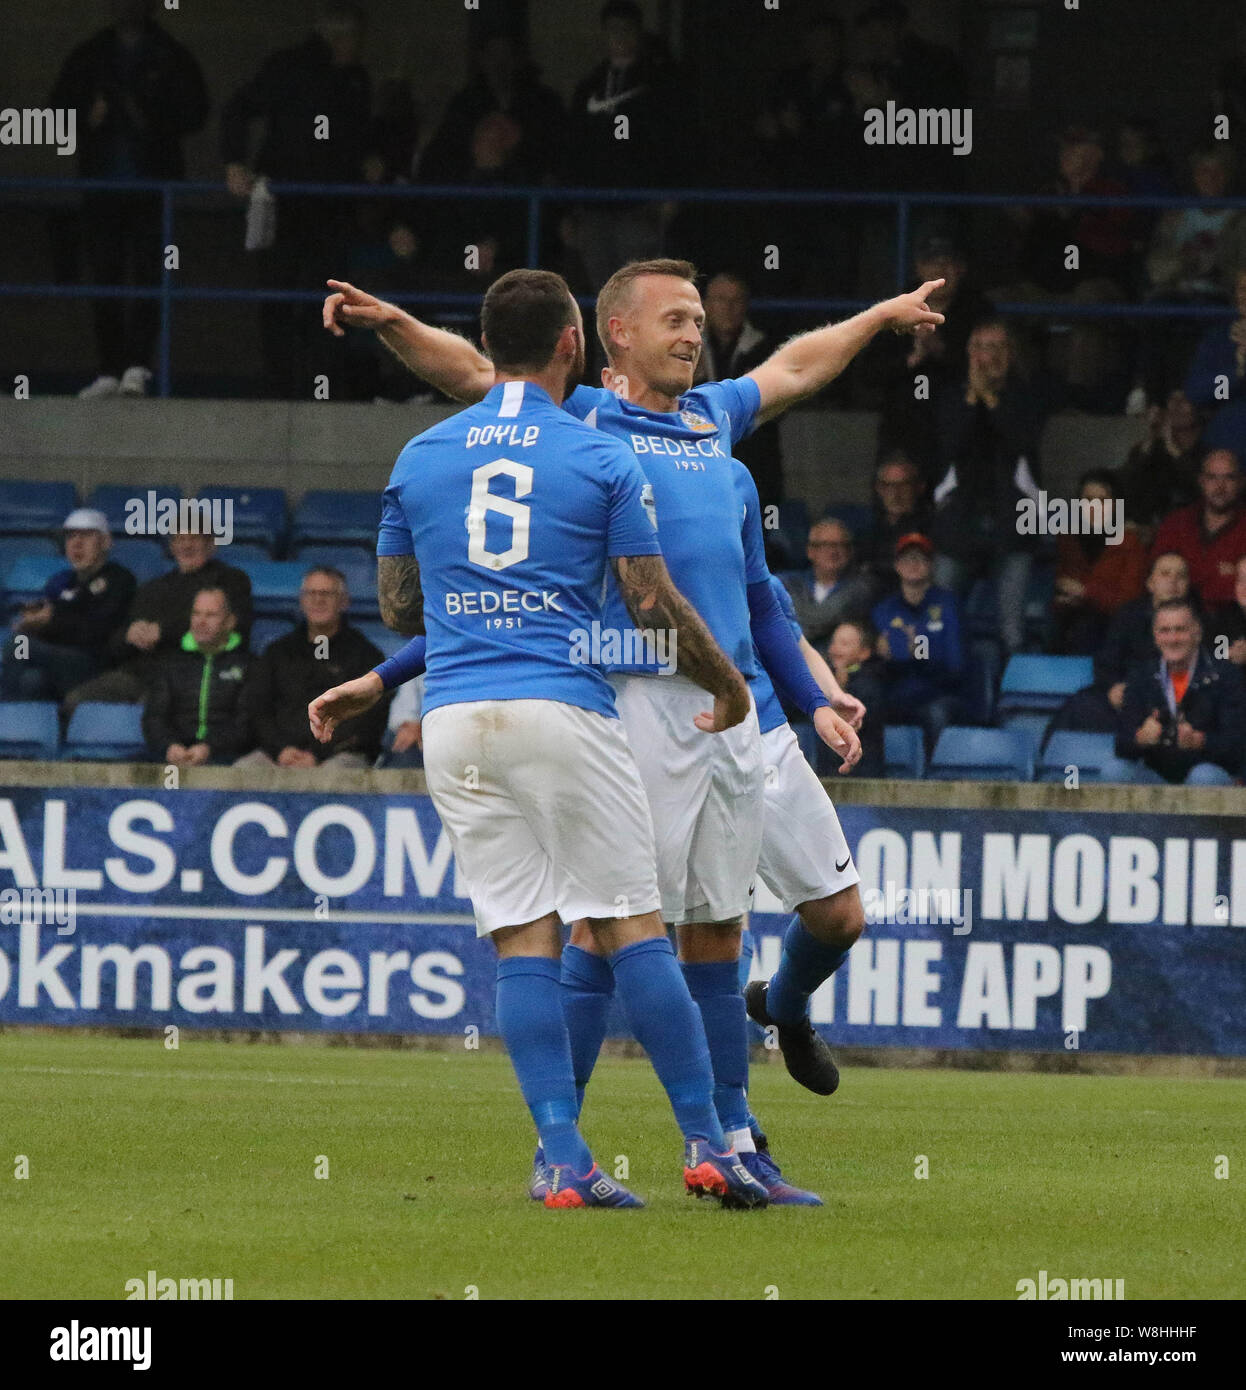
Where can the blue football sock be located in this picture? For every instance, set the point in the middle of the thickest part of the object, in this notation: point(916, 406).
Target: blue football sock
point(587, 988)
point(715, 986)
point(667, 1025)
point(531, 1022)
point(806, 963)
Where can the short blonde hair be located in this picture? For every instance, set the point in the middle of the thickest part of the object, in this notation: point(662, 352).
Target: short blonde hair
point(613, 295)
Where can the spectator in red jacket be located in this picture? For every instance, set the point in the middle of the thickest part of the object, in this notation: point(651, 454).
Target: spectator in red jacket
point(1095, 575)
point(1210, 533)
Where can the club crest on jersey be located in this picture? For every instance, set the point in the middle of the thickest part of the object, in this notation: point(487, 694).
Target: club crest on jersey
point(647, 502)
point(696, 421)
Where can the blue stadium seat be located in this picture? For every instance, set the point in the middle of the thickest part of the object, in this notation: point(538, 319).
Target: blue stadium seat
point(328, 515)
point(111, 499)
point(856, 516)
point(259, 513)
point(105, 733)
point(981, 611)
point(266, 630)
point(1030, 728)
point(904, 751)
point(24, 580)
point(983, 663)
point(243, 554)
point(1042, 683)
point(275, 587)
point(144, 557)
point(29, 509)
point(1042, 588)
point(1086, 752)
point(980, 755)
point(15, 547)
point(29, 729)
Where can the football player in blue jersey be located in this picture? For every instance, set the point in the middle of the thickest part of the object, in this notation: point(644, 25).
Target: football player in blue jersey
point(497, 530)
point(706, 803)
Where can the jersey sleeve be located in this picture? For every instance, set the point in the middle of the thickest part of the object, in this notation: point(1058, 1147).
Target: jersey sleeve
point(584, 400)
point(631, 524)
point(784, 600)
point(394, 536)
point(740, 400)
point(756, 571)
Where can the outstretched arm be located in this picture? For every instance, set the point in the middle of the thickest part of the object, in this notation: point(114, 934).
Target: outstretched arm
point(805, 364)
point(845, 705)
point(435, 355)
point(653, 601)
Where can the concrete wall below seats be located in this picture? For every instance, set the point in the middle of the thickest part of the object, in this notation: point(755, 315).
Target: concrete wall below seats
point(301, 445)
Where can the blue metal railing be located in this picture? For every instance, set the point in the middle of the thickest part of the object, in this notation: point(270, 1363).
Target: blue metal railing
point(535, 199)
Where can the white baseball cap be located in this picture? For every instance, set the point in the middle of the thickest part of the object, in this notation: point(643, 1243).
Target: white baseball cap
point(85, 519)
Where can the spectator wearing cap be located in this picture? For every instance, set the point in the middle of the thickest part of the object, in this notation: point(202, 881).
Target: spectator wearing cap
point(920, 642)
point(323, 651)
point(1096, 574)
point(159, 618)
point(1210, 533)
point(900, 506)
point(1182, 717)
point(63, 639)
point(989, 429)
point(833, 588)
point(851, 654)
point(194, 713)
point(731, 346)
point(913, 374)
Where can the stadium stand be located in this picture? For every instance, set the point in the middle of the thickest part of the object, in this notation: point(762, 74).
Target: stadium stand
point(336, 518)
point(259, 514)
point(29, 729)
point(104, 733)
point(905, 751)
point(980, 755)
point(1085, 752)
point(30, 509)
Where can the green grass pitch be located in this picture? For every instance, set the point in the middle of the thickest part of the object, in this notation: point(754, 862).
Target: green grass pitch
point(201, 1162)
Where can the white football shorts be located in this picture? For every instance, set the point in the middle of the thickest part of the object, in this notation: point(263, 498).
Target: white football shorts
point(804, 854)
point(545, 810)
point(705, 796)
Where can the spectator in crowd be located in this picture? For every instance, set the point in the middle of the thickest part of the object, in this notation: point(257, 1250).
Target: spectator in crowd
point(1086, 357)
point(632, 80)
point(1210, 533)
point(1095, 575)
point(731, 346)
point(920, 642)
point(193, 712)
point(1216, 380)
point(988, 443)
point(407, 727)
point(323, 651)
point(860, 672)
point(1182, 716)
point(900, 507)
point(1129, 643)
point(137, 94)
point(833, 588)
point(1161, 473)
point(66, 633)
point(912, 374)
point(159, 617)
point(503, 83)
point(317, 86)
point(1141, 166)
point(1226, 626)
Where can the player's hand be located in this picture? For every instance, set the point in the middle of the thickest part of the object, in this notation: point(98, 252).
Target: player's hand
point(909, 313)
point(348, 307)
point(730, 709)
point(848, 707)
point(343, 702)
point(838, 735)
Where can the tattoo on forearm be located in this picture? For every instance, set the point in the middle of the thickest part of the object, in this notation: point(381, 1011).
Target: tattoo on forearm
point(401, 597)
point(653, 601)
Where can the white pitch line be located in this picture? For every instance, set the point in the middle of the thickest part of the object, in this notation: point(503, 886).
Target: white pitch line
point(192, 1075)
point(274, 914)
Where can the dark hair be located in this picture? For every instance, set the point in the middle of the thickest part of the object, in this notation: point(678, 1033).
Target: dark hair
point(523, 314)
point(866, 629)
point(1170, 605)
point(622, 9)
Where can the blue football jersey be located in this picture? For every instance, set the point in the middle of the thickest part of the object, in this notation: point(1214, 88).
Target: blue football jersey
point(686, 458)
point(513, 509)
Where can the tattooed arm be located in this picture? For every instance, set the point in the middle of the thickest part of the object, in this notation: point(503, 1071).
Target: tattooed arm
point(401, 597)
point(653, 601)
